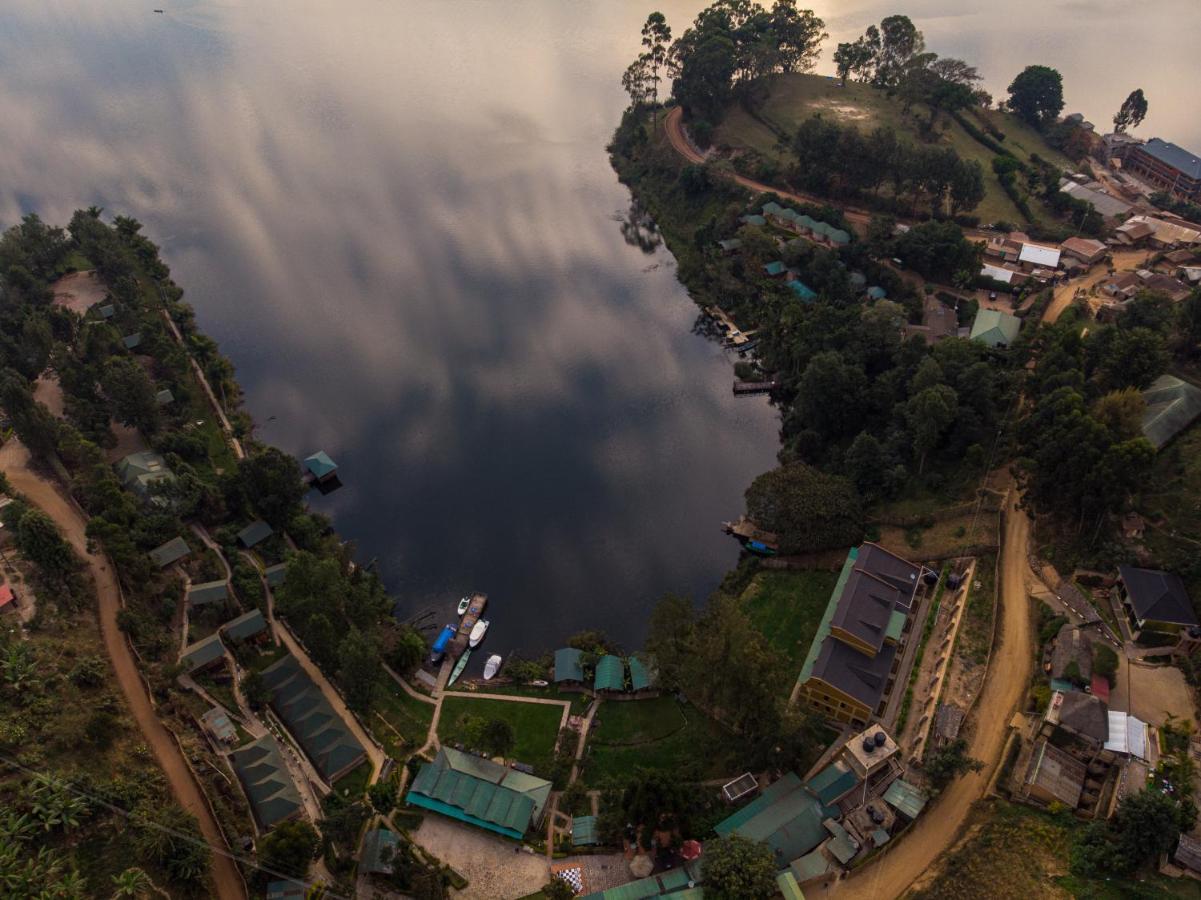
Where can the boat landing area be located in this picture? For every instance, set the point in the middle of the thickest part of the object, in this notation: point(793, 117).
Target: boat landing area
point(474, 611)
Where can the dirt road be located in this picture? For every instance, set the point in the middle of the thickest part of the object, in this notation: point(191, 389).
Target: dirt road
point(1009, 671)
point(673, 125)
point(14, 462)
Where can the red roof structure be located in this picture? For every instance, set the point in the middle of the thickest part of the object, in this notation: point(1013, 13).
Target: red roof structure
point(1100, 687)
point(7, 597)
point(690, 850)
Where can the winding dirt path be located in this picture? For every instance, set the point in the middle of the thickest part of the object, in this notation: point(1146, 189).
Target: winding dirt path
point(15, 463)
point(1008, 675)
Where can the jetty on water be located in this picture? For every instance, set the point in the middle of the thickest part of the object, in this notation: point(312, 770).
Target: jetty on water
point(747, 532)
point(474, 611)
point(735, 336)
point(743, 388)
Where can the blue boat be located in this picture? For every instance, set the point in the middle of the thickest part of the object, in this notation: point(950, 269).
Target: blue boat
point(760, 548)
point(444, 638)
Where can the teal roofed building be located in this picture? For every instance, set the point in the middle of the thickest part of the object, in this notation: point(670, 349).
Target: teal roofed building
point(756, 220)
point(875, 292)
point(276, 574)
point(320, 466)
point(141, 472)
point(787, 816)
point(321, 733)
point(202, 654)
point(905, 798)
point(640, 675)
point(807, 223)
point(379, 848)
point(1172, 405)
point(254, 533)
point(268, 784)
point(569, 665)
point(172, 551)
point(683, 883)
point(247, 626)
point(610, 674)
point(995, 328)
point(164, 397)
point(775, 268)
point(206, 593)
point(583, 831)
point(481, 793)
point(772, 208)
point(833, 782)
point(802, 290)
point(838, 236)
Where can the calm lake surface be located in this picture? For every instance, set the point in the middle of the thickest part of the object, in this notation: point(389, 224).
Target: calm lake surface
point(400, 223)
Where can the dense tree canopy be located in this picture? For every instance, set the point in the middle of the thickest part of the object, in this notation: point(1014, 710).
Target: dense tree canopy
point(736, 868)
point(1131, 113)
point(807, 508)
point(1036, 95)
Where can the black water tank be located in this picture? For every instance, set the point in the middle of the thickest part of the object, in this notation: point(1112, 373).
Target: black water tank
point(881, 737)
point(868, 744)
point(931, 577)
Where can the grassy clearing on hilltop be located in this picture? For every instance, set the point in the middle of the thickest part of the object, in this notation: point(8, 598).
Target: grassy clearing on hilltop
point(796, 97)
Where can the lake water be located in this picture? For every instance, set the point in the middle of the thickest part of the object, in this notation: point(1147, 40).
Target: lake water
point(400, 223)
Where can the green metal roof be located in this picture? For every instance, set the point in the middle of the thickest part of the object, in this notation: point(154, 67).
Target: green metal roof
point(832, 782)
point(379, 846)
point(823, 627)
point(172, 551)
point(786, 816)
point(841, 845)
point(320, 465)
point(876, 292)
point(785, 785)
point(132, 341)
point(163, 397)
point(806, 221)
point(905, 798)
point(610, 674)
point(896, 625)
point(568, 666)
point(772, 208)
point(994, 327)
point(640, 676)
point(245, 626)
point(754, 220)
point(209, 592)
point(583, 831)
point(786, 882)
point(812, 865)
point(1172, 405)
point(838, 236)
point(276, 574)
point(254, 533)
point(264, 775)
point(202, 652)
point(775, 267)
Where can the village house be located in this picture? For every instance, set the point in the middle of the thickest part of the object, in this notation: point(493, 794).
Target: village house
point(569, 669)
point(1094, 192)
point(1071, 662)
point(1172, 288)
point(144, 472)
point(1053, 776)
point(216, 722)
point(254, 534)
point(1076, 717)
point(1154, 600)
point(379, 848)
point(1086, 250)
point(1006, 249)
point(853, 660)
point(1171, 406)
point(1131, 233)
point(1033, 257)
point(206, 593)
point(995, 328)
point(1122, 287)
point(203, 655)
point(171, 552)
point(249, 627)
point(1164, 165)
point(1004, 274)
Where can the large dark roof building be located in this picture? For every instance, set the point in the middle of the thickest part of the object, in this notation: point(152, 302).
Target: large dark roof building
point(846, 672)
point(1166, 165)
point(265, 778)
point(320, 731)
point(1155, 599)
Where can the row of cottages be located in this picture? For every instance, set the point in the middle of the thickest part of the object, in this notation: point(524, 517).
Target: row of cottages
point(267, 782)
point(1157, 232)
point(852, 665)
point(805, 226)
point(481, 793)
point(321, 733)
point(610, 676)
point(816, 828)
point(1124, 286)
point(1015, 259)
point(208, 653)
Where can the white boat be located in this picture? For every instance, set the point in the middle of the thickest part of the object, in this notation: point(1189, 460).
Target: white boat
point(463, 604)
point(477, 633)
point(492, 666)
point(540, 683)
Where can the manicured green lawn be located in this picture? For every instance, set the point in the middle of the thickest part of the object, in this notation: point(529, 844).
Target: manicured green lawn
point(698, 750)
point(354, 782)
point(579, 702)
point(787, 607)
point(535, 725)
point(401, 714)
point(624, 723)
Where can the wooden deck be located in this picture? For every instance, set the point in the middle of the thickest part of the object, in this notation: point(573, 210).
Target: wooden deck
point(474, 611)
point(747, 530)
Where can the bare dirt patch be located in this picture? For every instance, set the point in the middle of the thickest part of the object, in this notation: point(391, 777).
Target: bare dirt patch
point(844, 111)
point(79, 291)
point(129, 440)
point(493, 867)
point(47, 391)
point(1152, 693)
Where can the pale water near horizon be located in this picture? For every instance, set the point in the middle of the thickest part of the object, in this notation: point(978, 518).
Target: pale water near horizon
point(401, 225)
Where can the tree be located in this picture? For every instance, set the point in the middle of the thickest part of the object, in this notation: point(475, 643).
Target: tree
point(269, 483)
point(736, 868)
point(797, 34)
point(255, 690)
point(807, 508)
point(133, 882)
point(171, 837)
point(1131, 113)
point(929, 414)
point(382, 795)
point(669, 637)
point(656, 37)
point(289, 848)
point(705, 63)
point(557, 889)
point(900, 41)
point(1121, 412)
point(40, 541)
point(359, 669)
point(1036, 95)
point(939, 250)
point(132, 394)
point(854, 59)
point(949, 762)
point(498, 737)
point(828, 395)
point(408, 650)
point(636, 80)
point(1146, 825)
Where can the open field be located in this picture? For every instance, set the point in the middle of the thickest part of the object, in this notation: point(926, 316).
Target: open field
point(406, 721)
point(787, 607)
point(797, 97)
point(632, 722)
point(535, 725)
point(700, 745)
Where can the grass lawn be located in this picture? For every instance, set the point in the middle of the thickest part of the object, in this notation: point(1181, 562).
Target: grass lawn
point(700, 749)
point(406, 721)
point(255, 661)
point(354, 782)
point(787, 607)
point(579, 702)
point(535, 725)
point(623, 723)
point(797, 97)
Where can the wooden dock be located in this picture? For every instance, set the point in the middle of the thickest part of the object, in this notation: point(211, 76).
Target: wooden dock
point(743, 388)
point(746, 530)
point(735, 337)
point(474, 611)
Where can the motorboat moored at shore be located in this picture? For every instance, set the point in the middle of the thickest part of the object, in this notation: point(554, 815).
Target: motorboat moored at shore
point(492, 666)
point(463, 604)
point(477, 633)
point(441, 643)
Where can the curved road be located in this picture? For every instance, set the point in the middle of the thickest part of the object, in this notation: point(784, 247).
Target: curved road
point(14, 462)
point(1008, 675)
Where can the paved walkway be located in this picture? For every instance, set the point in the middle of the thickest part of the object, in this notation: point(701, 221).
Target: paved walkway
point(582, 742)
